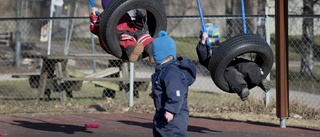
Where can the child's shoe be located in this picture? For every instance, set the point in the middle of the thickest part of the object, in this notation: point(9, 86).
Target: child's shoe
point(148, 50)
point(244, 94)
point(134, 52)
point(265, 85)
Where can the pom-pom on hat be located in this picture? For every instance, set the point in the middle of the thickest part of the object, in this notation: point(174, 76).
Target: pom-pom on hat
point(163, 46)
point(104, 3)
point(213, 32)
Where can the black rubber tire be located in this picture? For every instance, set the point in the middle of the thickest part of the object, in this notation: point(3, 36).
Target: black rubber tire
point(156, 21)
point(236, 46)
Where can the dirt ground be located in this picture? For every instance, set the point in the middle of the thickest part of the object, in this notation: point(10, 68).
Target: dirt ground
point(134, 125)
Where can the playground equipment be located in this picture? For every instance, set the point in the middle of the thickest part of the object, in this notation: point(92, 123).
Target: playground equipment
point(156, 21)
point(259, 49)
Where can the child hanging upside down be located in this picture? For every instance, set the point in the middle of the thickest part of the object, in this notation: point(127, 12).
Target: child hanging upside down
point(132, 39)
point(241, 74)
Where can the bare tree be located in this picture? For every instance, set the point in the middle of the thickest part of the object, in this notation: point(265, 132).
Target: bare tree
point(45, 8)
point(307, 62)
point(261, 30)
point(229, 11)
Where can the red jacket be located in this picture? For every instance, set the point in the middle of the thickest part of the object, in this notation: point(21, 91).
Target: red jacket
point(125, 23)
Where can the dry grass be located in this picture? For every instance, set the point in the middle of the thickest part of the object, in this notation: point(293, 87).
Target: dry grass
point(260, 118)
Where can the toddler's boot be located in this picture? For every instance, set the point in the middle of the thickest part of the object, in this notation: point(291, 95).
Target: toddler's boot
point(148, 50)
point(265, 85)
point(244, 94)
point(134, 52)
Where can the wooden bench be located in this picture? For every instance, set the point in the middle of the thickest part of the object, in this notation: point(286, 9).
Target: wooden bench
point(5, 38)
point(32, 77)
point(56, 76)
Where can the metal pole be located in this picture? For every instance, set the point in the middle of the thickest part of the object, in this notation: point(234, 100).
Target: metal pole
point(267, 101)
point(131, 84)
point(66, 50)
point(282, 101)
point(27, 5)
point(17, 40)
point(21, 10)
point(72, 24)
point(50, 27)
point(283, 122)
point(93, 46)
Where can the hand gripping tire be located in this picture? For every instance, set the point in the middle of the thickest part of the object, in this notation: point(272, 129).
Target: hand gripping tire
point(236, 46)
point(156, 21)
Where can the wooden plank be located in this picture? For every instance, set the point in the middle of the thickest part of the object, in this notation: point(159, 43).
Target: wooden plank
point(141, 86)
point(42, 85)
point(75, 73)
point(6, 33)
point(74, 56)
point(100, 74)
point(125, 70)
point(59, 71)
point(24, 75)
point(108, 84)
point(83, 56)
point(5, 38)
point(103, 73)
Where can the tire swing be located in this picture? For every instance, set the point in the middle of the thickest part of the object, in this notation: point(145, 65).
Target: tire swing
point(239, 45)
point(156, 21)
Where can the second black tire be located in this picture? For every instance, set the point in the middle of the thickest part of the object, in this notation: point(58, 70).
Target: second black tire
point(234, 47)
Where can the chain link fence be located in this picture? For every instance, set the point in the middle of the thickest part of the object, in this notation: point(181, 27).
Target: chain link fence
point(76, 64)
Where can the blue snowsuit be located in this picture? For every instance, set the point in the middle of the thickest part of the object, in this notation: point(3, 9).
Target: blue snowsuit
point(170, 84)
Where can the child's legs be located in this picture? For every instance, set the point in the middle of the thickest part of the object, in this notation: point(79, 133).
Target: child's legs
point(235, 79)
point(126, 38)
point(130, 46)
point(144, 38)
point(252, 72)
point(155, 132)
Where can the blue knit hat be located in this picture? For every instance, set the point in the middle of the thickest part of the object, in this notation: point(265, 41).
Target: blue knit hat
point(163, 46)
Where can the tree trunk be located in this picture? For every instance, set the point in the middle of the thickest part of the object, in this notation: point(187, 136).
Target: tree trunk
point(45, 8)
point(307, 40)
point(261, 30)
point(229, 11)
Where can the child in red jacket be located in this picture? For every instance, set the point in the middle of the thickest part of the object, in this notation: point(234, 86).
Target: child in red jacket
point(132, 40)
